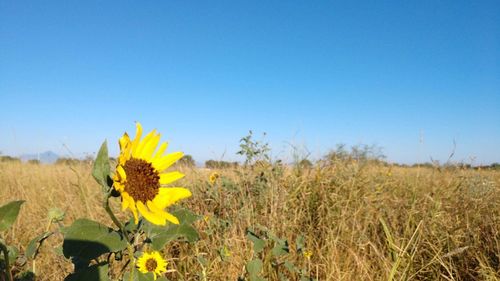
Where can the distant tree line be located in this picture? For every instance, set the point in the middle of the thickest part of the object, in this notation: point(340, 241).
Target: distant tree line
point(360, 153)
point(214, 164)
point(187, 161)
point(5, 158)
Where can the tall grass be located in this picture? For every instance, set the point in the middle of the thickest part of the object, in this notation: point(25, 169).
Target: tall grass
point(362, 221)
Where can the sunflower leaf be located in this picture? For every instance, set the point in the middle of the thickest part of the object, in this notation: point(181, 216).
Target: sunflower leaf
point(258, 243)
point(161, 236)
point(185, 216)
point(32, 248)
point(89, 239)
point(254, 267)
point(97, 272)
point(8, 214)
point(299, 243)
point(139, 276)
point(101, 169)
point(13, 253)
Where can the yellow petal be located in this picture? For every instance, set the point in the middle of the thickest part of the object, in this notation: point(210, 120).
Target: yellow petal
point(167, 178)
point(121, 172)
point(150, 216)
point(160, 151)
point(138, 134)
point(169, 195)
point(150, 147)
point(153, 207)
point(124, 142)
point(143, 143)
point(130, 205)
point(125, 201)
point(166, 161)
point(118, 186)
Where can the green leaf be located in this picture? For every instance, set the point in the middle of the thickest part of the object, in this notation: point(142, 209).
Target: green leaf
point(101, 169)
point(80, 263)
point(283, 277)
point(89, 239)
point(25, 276)
point(13, 252)
point(58, 251)
point(139, 276)
point(224, 253)
point(130, 225)
point(185, 216)
point(291, 267)
point(202, 260)
point(98, 272)
point(144, 276)
point(299, 243)
point(258, 244)
point(254, 267)
point(56, 214)
point(279, 250)
point(161, 236)
point(8, 214)
point(32, 248)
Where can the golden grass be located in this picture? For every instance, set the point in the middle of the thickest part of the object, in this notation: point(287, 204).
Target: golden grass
point(361, 221)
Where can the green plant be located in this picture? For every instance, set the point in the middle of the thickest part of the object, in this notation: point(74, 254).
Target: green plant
point(187, 160)
point(271, 257)
point(95, 248)
point(254, 150)
point(8, 215)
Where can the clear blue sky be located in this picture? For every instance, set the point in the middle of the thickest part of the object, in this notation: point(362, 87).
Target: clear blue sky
point(410, 76)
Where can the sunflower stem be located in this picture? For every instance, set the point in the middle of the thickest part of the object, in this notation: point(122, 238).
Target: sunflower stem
point(112, 215)
point(130, 249)
point(3, 248)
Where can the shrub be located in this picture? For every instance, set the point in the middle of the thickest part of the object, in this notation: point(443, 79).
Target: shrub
point(187, 160)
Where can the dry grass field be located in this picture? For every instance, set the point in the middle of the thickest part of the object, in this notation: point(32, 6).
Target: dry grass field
point(360, 221)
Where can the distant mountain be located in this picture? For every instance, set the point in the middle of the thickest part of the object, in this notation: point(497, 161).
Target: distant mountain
point(48, 157)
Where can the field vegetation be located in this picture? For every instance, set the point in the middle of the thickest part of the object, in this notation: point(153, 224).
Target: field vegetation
point(350, 216)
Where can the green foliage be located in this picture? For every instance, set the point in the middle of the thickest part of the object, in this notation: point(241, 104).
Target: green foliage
point(187, 160)
point(9, 213)
point(304, 163)
point(214, 164)
point(272, 252)
point(101, 170)
point(12, 253)
point(160, 236)
point(34, 161)
point(88, 239)
point(97, 272)
point(33, 246)
point(70, 161)
point(299, 243)
point(254, 150)
point(258, 244)
point(9, 159)
point(254, 267)
point(360, 152)
point(56, 214)
point(139, 276)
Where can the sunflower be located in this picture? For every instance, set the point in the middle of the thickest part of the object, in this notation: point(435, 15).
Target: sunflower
point(140, 177)
point(213, 177)
point(307, 254)
point(152, 262)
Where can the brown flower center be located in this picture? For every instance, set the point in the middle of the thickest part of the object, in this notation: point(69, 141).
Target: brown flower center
point(143, 181)
point(151, 264)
